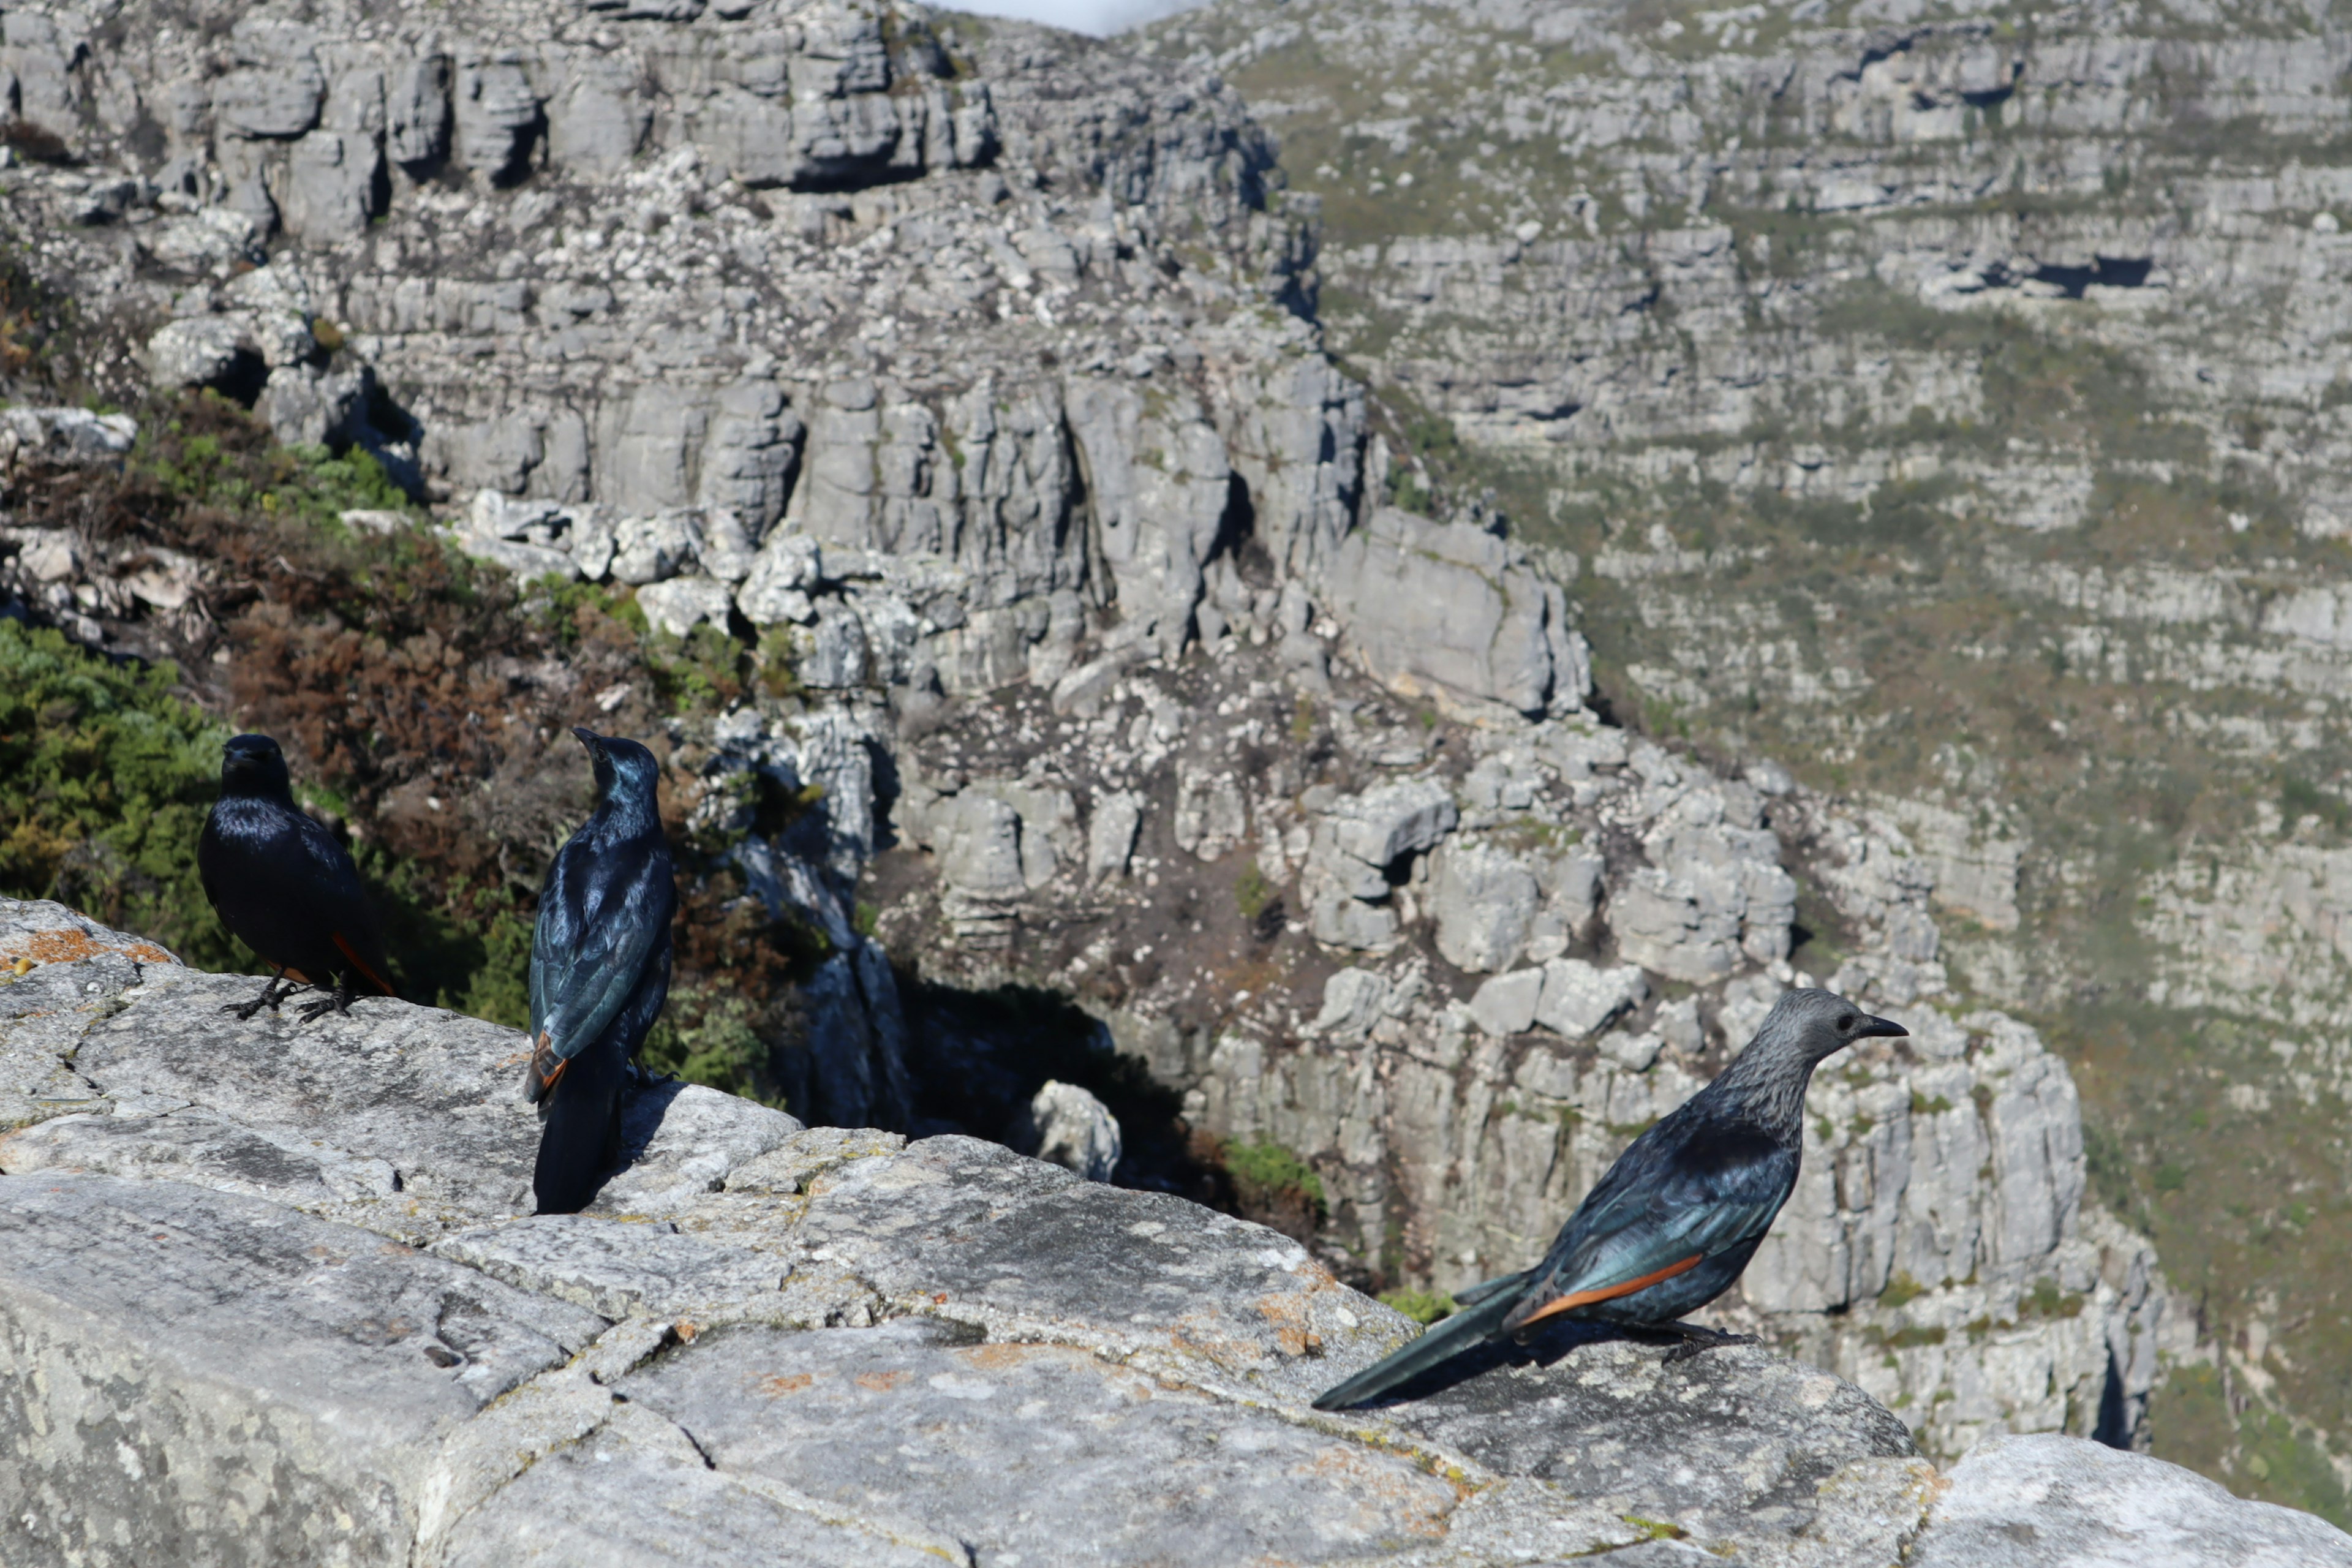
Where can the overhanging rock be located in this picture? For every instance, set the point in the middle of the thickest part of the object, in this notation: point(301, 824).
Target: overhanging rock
point(267, 1295)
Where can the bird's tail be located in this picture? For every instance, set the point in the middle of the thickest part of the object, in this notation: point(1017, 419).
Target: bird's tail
point(1471, 1295)
point(578, 1121)
point(1492, 1303)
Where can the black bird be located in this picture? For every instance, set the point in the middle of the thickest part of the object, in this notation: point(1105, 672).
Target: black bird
point(284, 887)
point(1677, 1218)
point(599, 971)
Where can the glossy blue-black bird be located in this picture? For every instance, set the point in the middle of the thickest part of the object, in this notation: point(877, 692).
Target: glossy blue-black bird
point(284, 887)
point(1675, 1219)
point(599, 971)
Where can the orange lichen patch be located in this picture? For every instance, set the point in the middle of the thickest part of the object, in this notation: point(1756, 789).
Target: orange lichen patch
point(685, 1330)
point(776, 1387)
point(997, 1358)
point(872, 1382)
point(72, 947)
point(1397, 1499)
point(1286, 1312)
point(1211, 1334)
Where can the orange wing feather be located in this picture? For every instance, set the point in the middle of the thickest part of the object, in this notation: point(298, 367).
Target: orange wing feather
point(1610, 1292)
point(362, 965)
point(546, 1068)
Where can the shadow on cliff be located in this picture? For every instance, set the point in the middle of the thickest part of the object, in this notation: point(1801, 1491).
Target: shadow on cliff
point(978, 1058)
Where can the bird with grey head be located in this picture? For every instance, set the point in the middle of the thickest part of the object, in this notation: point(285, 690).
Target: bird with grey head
point(1675, 1221)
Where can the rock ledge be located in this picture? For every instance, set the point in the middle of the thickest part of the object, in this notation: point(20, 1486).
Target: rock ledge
point(268, 1294)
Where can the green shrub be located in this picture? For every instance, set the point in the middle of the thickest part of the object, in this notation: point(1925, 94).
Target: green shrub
point(105, 778)
point(1261, 1170)
point(1253, 892)
point(1423, 1307)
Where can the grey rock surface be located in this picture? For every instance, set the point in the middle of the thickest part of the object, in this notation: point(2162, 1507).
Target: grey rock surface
point(1452, 611)
point(841, 1347)
point(2042, 1502)
point(972, 363)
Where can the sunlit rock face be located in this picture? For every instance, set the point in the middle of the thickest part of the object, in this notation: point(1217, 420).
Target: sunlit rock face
point(980, 373)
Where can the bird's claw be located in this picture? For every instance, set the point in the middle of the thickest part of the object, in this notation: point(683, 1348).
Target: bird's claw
point(271, 996)
point(1686, 1349)
point(339, 1001)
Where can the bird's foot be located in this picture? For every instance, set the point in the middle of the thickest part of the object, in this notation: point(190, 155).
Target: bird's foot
point(271, 996)
point(338, 1001)
point(1696, 1340)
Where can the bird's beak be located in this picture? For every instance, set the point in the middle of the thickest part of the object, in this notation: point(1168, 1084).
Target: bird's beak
point(1880, 1026)
point(588, 737)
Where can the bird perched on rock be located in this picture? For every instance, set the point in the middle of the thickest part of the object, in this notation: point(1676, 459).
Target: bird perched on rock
point(599, 971)
point(1677, 1218)
point(284, 887)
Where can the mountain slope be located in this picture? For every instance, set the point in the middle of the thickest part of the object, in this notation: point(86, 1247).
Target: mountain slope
point(1948, 402)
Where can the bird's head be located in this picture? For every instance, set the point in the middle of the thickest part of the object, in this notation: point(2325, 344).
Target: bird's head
point(626, 773)
point(1817, 1025)
point(252, 764)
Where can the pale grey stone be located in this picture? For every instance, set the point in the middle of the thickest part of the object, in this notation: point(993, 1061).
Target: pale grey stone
point(1075, 1130)
point(1580, 997)
point(528, 562)
point(681, 604)
point(331, 178)
point(218, 1346)
point(495, 117)
point(1111, 833)
point(965, 1452)
point(1507, 1004)
point(304, 406)
point(680, 1141)
point(1484, 901)
point(278, 99)
point(835, 656)
point(1211, 815)
point(1633, 1052)
point(727, 547)
point(615, 1268)
point(1433, 611)
point(1092, 1357)
point(1352, 1002)
point(197, 351)
point(71, 436)
point(636, 1492)
point(788, 568)
point(1390, 821)
point(650, 549)
point(978, 839)
point(1338, 919)
point(2022, 1502)
point(416, 110)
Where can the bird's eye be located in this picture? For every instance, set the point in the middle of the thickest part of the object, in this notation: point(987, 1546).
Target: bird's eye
point(1845, 1022)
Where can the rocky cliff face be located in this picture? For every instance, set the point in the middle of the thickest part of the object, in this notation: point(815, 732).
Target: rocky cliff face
point(266, 1296)
point(1946, 401)
point(972, 374)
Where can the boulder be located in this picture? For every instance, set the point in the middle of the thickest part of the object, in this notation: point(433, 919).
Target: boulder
point(1440, 611)
point(1485, 900)
point(681, 604)
point(1075, 1130)
point(1507, 1004)
point(2043, 1500)
point(1580, 997)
